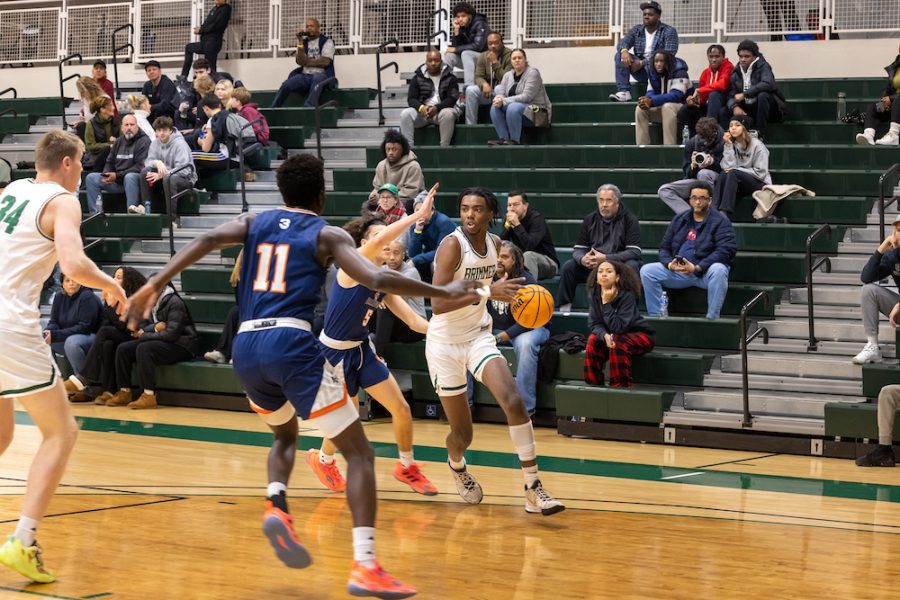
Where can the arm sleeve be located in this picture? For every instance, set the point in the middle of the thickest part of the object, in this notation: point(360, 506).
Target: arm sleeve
point(530, 240)
point(669, 42)
point(217, 22)
point(632, 250)
point(86, 315)
point(596, 324)
point(676, 93)
point(415, 245)
point(760, 164)
point(729, 161)
point(110, 165)
point(619, 317)
point(583, 243)
point(482, 70)
point(627, 41)
point(167, 93)
point(665, 246)
point(412, 96)
point(726, 246)
point(478, 37)
point(722, 83)
point(734, 87)
point(686, 160)
point(453, 94)
point(153, 154)
point(90, 140)
point(413, 181)
point(876, 268)
point(175, 319)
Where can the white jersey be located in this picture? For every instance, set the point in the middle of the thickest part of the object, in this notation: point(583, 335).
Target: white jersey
point(29, 255)
point(464, 324)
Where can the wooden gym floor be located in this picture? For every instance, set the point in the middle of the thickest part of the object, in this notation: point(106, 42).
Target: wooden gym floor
point(167, 504)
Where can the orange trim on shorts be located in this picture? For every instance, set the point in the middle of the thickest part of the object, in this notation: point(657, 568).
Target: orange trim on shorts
point(259, 409)
point(330, 407)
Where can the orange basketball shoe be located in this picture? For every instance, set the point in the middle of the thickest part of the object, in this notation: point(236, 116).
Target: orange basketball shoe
point(279, 528)
point(414, 478)
point(329, 475)
point(377, 583)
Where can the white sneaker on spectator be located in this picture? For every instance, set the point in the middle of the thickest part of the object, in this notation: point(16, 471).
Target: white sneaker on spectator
point(137, 209)
point(623, 96)
point(866, 138)
point(132, 209)
point(891, 138)
point(871, 353)
point(215, 356)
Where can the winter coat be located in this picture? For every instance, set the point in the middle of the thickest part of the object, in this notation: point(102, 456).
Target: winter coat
point(715, 242)
point(180, 330)
point(671, 87)
point(162, 97)
point(532, 235)
point(762, 79)
point(73, 315)
point(473, 36)
point(97, 133)
point(619, 238)
point(618, 317)
point(423, 246)
point(421, 88)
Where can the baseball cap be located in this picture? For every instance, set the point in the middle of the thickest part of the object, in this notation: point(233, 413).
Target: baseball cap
point(152, 63)
point(391, 188)
point(652, 4)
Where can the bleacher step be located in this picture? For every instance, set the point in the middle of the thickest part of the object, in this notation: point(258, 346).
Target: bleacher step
point(782, 383)
point(826, 329)
point(782, 404)
point(827, 311)
point(770, 424)
point(771, 363)
point(847, 295)
point(798, 347)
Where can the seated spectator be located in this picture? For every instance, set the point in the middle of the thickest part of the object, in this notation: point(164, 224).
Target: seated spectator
point(387, 327)
point(168, 152)
point(400, 167)
point(122, 170)
point(426, 236)
point(696, 251)
point(527, 342)
point(215, 147)
point(702, 160)
point(140, 108)
point(315, 60)
point(222, 352)
point(189, 118)
point(100, 134)
point(876, 298)
point(645, 40)
point(886, 109)
point(745, 166)
point(617, 330)
point(160, 91)
point(754, 91)
point(89, 91)
point(240, 102)
point(609, 233)
point(525, 227)
point(201, 68)
point(710, 97)
point(211, 32)
point(521, 101)
point(492, 65)
point(223, 91)
point(667, 88)
point(172, 339)
point(74, 319)
point(387, 206)
point(98, 74)
point(432, 96)
point(888, 403)
point(468, 40)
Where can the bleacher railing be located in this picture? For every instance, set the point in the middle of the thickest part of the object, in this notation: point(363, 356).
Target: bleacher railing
point(42, 31)
point(763, 297)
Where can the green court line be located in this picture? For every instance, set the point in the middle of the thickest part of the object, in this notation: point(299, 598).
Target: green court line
point(849, 490)
point(41, 594)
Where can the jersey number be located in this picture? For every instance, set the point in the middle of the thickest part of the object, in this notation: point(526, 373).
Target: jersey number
point(277, 284)
point(11, 217)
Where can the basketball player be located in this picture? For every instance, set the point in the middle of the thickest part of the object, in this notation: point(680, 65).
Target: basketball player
point(459, 338)
point(346, 340)
point(280, 363)
point(40, 223)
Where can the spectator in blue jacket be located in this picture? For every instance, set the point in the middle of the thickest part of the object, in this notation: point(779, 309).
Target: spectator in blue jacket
point(754, 91)
point(426, 236)
point(469, 40)
point(696, 251)
point(74, 320)
point(667, 88)
point(634, 50)
point(876, 298)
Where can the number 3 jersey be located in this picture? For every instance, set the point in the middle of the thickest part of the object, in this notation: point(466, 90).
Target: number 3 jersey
point(280, 273)
point(29, 254)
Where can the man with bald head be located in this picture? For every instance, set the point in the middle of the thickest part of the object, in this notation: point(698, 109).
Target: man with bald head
point(432, 97)
point(122, 172)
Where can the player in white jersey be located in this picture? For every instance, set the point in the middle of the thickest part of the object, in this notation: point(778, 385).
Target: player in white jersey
point(459, 339)
point(40, 222)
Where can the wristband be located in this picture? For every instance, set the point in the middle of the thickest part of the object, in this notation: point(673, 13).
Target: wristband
point(484, 291)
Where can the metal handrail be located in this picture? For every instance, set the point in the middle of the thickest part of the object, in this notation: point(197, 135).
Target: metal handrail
point(881, 203)
point(62, 80)
point(240, 142)
point(745, 340)
point(319, 87)
point(444, 13)
point(5, 111)
point(11, 89)
point(94, 243)
point(437, 33)
point(824, 261)
point(96, 215)
point(378, 69)
point(116, 49)
point(170, 201)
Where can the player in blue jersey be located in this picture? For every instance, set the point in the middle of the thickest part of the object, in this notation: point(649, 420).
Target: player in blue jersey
point(280, 363)
point(346, 340)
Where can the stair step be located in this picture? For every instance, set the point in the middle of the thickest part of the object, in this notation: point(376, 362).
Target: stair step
point(826, 311)
point(798, 347)
point(772, 424)
point(771, 363)
point(837, 295)
point(780, 383)
point(781, 404)
point(827, 329)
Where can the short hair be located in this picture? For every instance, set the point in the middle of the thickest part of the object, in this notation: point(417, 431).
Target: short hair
point(463, 7)
point(201, 63)
point(100, 103)
point(703, 185)
point(318, 23)
point(126, 115)
point(518, 193)
point(301, 180)
point(497, 33)
point(611, 187)
point(707, 128)
point(204, 85)
point(489, 198)
point(163, 123)
point(718, 47)
point(519, 50)
point(99, 63)
point(210, 101)
point(54, 147)
point(242, 95)
point(518, 259)
point(393, 136)
point(749, 46)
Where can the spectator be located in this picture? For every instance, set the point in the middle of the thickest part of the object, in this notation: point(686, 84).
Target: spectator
point(469, 39)
point(609, 233)
point(521, 101)
point(89, 91)
point(160, 91)
point(710, 97)
point(886, 109)
point(617, 330)
point(527, 342)
point(98, 74)
point(240, 102)
point(745, 166)
point(211, 33)
point(526, 228)
point(667, 88)
point(74, 319)
point(172, 339)
point(754, 91)
point(168, 152)
point(888, 403)
point(432, 97)
point(400, 167)
point(189, 118)
point(492, 65)
point(215, 148)
point(875, 298)
point(122, 170)
point(140, 108)
point(315, 60)
point(221, 354)
point(387, 207)
point(696, 251)
point(636, 48)
point(702, 160)
point(100, 134)
point(201, 68)
point(426, 236)
point(223, 91)
point(388, 328)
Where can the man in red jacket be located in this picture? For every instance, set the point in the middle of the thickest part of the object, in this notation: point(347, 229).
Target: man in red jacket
point(99, 75)
point(711, 94)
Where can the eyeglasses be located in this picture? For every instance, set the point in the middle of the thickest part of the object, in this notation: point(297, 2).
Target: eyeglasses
point(700, 198)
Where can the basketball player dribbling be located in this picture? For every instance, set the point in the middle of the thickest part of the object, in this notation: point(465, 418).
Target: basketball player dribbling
point(281, 365)
point(40, 224)
point(459, 339)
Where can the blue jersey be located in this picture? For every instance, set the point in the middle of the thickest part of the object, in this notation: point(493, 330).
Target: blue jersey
point(280, 274)
point(348, 313)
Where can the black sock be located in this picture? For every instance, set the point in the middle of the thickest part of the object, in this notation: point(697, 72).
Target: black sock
point(279, 501)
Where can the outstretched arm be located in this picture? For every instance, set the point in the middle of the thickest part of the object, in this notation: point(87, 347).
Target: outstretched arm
point(399, 307)
point(374, 247)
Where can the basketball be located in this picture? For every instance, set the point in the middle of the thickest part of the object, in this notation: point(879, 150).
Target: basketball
point(532, 307)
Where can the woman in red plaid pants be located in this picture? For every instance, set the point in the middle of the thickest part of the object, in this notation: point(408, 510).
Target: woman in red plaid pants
point(618, 331)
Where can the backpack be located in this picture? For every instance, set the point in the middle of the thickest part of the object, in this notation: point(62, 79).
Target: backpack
point(234, 123)
point(569, 342)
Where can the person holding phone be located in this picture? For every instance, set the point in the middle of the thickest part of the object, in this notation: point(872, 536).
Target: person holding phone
point(315, 64)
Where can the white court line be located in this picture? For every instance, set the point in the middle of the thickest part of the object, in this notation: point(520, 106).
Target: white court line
point(683, 475)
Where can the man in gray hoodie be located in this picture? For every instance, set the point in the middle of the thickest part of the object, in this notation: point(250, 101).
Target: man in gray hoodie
point(400, 167)
point(168, 153)
point(123, 167)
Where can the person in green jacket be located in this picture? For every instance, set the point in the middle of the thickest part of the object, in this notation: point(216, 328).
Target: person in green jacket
point(100, 134)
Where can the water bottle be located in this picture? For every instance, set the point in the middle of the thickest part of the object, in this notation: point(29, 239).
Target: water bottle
point(146, 207)
point(664, 306)
point(685, 134)
point(100, 203)
point(841, 106)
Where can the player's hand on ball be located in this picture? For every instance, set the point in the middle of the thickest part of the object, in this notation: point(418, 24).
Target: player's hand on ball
point(505, 289)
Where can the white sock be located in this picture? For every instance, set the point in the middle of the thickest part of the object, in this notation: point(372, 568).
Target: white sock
point(26, 530)
point(326, 459)
point(149, 392)
point(364, 546)
point(872, 339)
point(531, 475)
point(457, 466)
point(275, 488)
point(406, 459)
